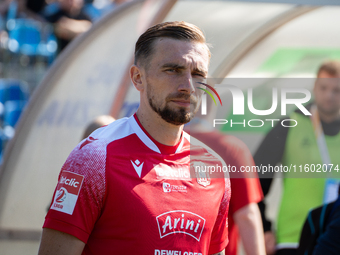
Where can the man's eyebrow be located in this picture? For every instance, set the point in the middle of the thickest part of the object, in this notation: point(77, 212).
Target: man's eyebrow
point(201, 71)
point(172, 65)
point(180, 67)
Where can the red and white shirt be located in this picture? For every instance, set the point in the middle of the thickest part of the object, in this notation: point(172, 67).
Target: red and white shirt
point(122, 192)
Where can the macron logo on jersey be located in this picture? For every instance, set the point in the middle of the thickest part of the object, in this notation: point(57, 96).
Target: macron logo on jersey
point(137, 166)
point(180, 222)
point(68, 188)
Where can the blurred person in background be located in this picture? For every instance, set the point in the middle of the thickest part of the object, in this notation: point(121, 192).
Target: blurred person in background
point(22, 9)
point(35, 6)
point(328, 241)
point(98, 122)
point(299, 145)
point(4, 6)
point(69, 20)
point(98, 8)
point(244, 219)
point(321, 231)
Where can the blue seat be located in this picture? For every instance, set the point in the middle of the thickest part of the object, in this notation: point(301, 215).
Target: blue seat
point(2, 93)
point(24, 37)
point(12, 112)
point(11, 13)
point(48, 45)
point(2, 144)
point(12, 89)
point(6, 134)
point(32, 38)
point(92, 11)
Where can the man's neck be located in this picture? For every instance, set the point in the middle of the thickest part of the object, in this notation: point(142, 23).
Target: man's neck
point(162, 131)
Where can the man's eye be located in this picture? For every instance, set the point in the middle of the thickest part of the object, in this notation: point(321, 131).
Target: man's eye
point(336, 91)
point(171, 70)
point(200, 75)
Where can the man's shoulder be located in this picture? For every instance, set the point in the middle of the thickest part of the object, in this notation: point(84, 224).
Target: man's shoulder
point(116, 130)
point(90, 155)
point(97, 142)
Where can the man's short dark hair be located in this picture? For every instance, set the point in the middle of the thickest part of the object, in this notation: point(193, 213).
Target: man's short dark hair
point(331, 67)
point(178, 30)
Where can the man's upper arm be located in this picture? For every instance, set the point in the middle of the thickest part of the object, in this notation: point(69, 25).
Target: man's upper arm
point(80, 194)
point(54, 242)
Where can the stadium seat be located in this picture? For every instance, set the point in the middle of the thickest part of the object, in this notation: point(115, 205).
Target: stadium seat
point(12, 112)
point(24, 37)
point(12, 89)
point(31, 38)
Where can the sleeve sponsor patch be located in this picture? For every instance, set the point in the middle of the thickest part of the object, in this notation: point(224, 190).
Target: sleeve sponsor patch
point(67, 192)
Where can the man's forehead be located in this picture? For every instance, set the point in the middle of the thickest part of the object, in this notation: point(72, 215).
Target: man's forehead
point(328, 82)
point(184, 52)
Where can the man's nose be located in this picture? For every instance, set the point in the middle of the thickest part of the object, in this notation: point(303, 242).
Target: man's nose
point(186, 84)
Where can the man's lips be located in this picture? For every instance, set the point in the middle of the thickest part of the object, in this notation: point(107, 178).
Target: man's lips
point(181, 102)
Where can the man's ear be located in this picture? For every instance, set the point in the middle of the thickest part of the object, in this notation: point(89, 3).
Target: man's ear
point(136, 77)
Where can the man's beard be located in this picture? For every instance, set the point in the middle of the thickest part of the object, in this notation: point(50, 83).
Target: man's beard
point(327, 111)
point(174, 116)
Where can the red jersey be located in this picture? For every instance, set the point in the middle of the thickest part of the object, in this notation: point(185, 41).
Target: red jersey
point(122, 192)
point(246, 187)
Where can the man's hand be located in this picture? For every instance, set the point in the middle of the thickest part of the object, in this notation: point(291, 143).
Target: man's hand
point(70, 28)
point(54, 242)
point(270, 242)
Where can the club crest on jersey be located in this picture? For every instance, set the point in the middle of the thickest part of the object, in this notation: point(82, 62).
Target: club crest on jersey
point(166, 187)
point(67, 192)
point(180, 221)
point(202, 177)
